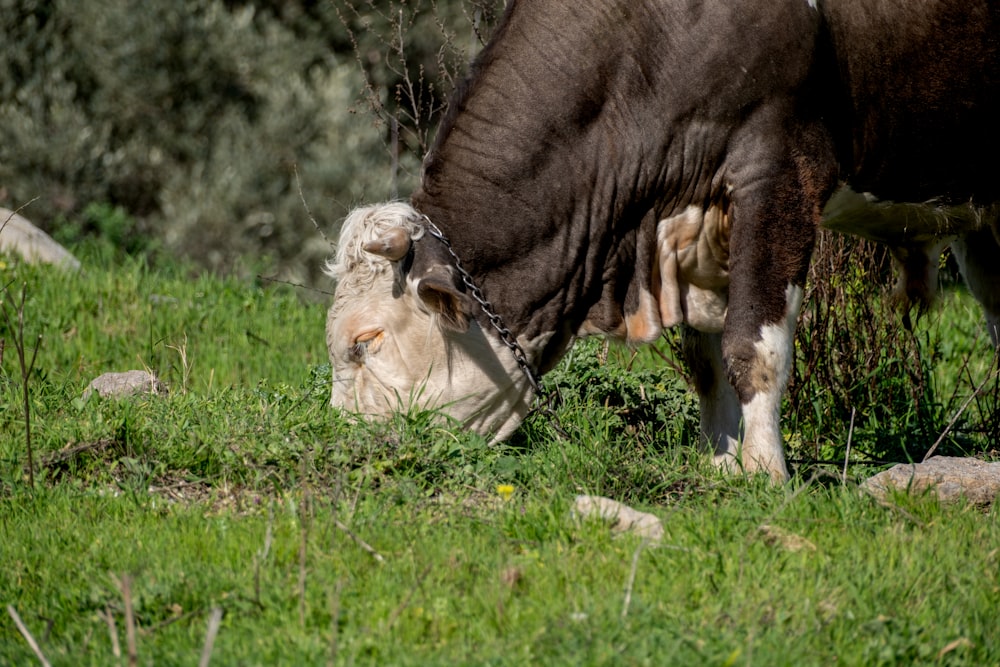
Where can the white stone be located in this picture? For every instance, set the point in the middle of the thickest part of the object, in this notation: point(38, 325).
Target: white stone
point(18, 236)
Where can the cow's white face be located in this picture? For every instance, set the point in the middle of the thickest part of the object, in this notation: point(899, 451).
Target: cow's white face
point(396, 343)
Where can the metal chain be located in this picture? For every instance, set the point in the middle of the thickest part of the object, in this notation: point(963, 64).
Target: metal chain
point(544, 400)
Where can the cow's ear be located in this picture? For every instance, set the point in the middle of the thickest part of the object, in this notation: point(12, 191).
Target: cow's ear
point(438, 292)
point(393, 245)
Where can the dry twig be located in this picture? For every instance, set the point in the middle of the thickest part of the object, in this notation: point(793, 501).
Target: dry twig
point(631, 578)
point(213, 629)
point(125, 586)
point(847, 454)
point(360, 542)
point(947, 429)
point(109, 618)
point(22, 628)
point(26, 368)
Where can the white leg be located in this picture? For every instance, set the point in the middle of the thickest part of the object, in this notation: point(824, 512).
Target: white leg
point(763, 450)
point(720, 407)
point(978, 256)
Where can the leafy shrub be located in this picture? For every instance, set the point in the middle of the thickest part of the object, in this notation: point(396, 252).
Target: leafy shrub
point(650, 400)
point(205, 119)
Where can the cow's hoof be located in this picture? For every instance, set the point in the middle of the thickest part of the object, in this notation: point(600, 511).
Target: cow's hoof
point(746, 465)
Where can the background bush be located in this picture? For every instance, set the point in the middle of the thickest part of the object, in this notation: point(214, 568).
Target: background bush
point(193, 117)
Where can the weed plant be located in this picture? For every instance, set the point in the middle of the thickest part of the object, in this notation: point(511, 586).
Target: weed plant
point(900, 378)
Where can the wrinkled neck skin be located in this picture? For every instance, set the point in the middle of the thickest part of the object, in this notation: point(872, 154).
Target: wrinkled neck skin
point(551, 172)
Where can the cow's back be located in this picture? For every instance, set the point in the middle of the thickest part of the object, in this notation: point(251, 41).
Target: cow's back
point(922, 84)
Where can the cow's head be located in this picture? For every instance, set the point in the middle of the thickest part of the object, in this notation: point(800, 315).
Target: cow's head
point(402, 332)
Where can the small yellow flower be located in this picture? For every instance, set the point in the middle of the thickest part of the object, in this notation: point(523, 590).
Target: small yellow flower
point(505, 491)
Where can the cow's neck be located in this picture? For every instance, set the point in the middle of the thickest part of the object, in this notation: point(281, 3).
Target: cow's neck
point(536, 181)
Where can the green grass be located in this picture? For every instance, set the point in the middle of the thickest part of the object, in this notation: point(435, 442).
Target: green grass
point(114, 317)
point(327, 541)
point(504, 582)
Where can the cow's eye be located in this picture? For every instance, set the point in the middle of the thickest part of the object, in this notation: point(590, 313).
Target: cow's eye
point(366, 344)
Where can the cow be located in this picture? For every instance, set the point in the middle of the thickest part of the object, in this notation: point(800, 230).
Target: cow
point(616, 167)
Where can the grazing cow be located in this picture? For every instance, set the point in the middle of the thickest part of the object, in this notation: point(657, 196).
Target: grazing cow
point(617, 167)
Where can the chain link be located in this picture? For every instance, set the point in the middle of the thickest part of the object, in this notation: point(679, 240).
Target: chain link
point(544, 400)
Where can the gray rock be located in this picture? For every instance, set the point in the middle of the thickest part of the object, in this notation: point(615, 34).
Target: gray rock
point(950, 477)
point(129, 383)
point(623, 519)
point(779, 537)
point(18, 236)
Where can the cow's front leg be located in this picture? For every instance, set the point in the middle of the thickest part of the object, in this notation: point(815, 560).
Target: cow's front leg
point(758, 358)
point(774, 229)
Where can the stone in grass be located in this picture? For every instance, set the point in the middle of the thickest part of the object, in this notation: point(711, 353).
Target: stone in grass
point(129, 383)
point(779, 537)
point(623, 519)
point(950, 477)
point(18, 235)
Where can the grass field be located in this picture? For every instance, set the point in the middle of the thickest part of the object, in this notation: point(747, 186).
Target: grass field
point(324, 541)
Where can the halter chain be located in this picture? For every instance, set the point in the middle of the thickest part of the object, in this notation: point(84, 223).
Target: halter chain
point(544, 400)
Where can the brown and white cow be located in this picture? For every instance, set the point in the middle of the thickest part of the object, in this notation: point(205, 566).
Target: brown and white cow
point(616, 167)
